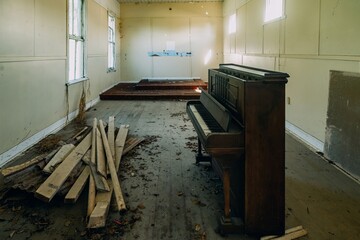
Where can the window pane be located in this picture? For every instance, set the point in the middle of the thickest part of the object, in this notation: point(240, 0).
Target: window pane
point(72, 54)
point(77, 17)
point(111, 56)
point(79, 70)
point(71, 16)
point(274, 9)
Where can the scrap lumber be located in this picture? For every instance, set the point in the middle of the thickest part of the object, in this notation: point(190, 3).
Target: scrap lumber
point(51, 186)
point(131, 143)
point(76, 189)
point(100, 181)
point(12, 170)
point(98, 217)
point(103, 199)
point(92, 190)
point(111, 135)
point(291, 233)
point(58, 158)
point(100, 155)
point(114, 177)
point(119, 144)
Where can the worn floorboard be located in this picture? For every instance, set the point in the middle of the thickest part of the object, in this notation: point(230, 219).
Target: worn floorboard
point(169, 197)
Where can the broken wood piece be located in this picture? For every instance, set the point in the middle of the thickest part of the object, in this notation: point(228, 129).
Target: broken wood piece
point(52, 184)
point(98, 218)
point(76, 189)
point(100, 155)
point(58, 158)
point(111, 135)
point(114, 177)
point(92, 189)
point(131, 143)
point(80, 132)
point(14, 169)
point(119, 144)
point(100, 181)
point(291, 233)
point(87, 157)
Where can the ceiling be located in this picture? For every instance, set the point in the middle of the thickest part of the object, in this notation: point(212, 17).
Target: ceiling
point(166, 1)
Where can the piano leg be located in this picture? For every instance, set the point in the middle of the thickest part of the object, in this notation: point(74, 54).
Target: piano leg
point(228, 224)
point(200, 157)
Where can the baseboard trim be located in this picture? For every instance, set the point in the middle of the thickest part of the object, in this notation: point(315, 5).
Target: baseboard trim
point(24, 145)
point(313, 142)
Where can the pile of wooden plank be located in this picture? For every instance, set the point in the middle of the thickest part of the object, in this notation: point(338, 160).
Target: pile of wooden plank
point(97, 158)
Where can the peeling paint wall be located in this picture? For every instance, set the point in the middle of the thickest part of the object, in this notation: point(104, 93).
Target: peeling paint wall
point(343, 121)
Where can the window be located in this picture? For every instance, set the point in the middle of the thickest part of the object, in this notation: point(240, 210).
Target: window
point(232, 24)
point(111, 43)
point(76, 44)
point(274, 9)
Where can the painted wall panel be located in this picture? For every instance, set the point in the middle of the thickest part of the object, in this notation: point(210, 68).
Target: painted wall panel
point(170, 10)
point(308, 92)
point(172, 67)
point(50, 28)
point(241, 30)
point(339, 32)
point(135, 43)
point(272, 37)
point(260, 62)
point(182, 29)
point(97, 29)
point(16, 28)
point(302, 27)
point(254, 26)
point(205, 54)
point(32, 98)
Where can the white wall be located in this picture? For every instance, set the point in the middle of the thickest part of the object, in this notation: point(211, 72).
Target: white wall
point(193, 27)
point(33, 56)
point(315, 36)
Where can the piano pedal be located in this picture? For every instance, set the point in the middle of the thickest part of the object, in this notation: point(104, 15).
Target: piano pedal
point(202, 158)
point(230, 225)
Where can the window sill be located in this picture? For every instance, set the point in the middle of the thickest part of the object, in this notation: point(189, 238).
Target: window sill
point(77, 81)
point(111, 70)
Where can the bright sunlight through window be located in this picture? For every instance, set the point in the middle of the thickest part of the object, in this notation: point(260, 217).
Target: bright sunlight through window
point(274, 9)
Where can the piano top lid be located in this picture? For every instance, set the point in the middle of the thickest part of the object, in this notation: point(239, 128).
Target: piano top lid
point(258, 73)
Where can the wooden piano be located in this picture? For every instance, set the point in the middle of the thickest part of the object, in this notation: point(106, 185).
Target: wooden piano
point(240, 123)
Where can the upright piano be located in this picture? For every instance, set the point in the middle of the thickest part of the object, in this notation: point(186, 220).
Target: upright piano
point(240, 123)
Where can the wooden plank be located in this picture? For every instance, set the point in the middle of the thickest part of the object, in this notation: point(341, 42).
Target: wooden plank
point(98, 218)
point(287, 232)
point(52, 184)
point(58, 158)
point(292, 235)
point(100, 155)
point(133, 142)
point(114, 177)
point(111, 135)
point(92, 189)
point(119, 144)
point(76, 189)
point(14, 169)
point(100, 181)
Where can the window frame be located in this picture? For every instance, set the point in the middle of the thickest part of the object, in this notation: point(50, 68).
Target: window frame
point(111, 42)
point(282, 15)
point(78, 38)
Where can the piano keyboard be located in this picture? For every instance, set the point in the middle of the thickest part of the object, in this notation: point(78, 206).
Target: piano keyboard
point(205, 119)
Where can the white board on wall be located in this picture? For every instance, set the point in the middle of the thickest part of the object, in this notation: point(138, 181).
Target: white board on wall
point(171, 33)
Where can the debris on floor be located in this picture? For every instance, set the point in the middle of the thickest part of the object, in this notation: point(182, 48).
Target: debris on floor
point(63, 168)
point(292, 233)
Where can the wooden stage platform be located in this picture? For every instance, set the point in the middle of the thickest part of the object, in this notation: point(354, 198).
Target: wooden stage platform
point(150, 90)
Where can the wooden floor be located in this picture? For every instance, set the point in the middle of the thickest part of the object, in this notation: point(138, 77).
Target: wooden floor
point(162, 89)
point(169, 197)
